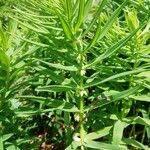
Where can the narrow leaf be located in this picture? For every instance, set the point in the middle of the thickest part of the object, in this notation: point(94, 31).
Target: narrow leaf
point(115, 97)
point(112, 49)
point(112, 20)
point(52, 75)
point(98, 134)
point(54, 104)
point(29, 26)
point(54, 88)
point(1, 137)
point(137, 120)
point(144, 98)
point(135, 144)
point(59, 66)
point(99, 35)
point(7, 136)
point(100, 8)
point(69, 8)
point(3, 39)
point(80, 14)
point(73, 146)
point(96, 36)
point(103, 146)
point(125, 93)
point(30, 41)
point(4, 60)
point(65, 26)
point(88, 6)
point(118, 132)
point(100, 81)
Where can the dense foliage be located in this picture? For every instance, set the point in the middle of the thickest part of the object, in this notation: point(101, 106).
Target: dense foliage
point(74, 74)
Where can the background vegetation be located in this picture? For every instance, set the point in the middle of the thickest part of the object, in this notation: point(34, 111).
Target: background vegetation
point(74, 74)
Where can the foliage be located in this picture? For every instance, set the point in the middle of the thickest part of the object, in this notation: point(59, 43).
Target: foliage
point(75, 75)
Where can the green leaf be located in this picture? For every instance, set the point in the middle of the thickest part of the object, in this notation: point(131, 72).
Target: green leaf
point(103, 146)
point(32, 27)
point(131, 19)
point(30, 41)
point(112, 49)
point(7, 136)
point(80, 14)
point(96, 36)
point(145, 98)
point(135, 144)
point(54, 104)
point(54, 88)
point(52, 75)
point(1, 137)
point(3, 40)
point(137, 120)
point(12, 147)
point(100, 81)
point(59, 66)
point(1, 143)
point(65, 26)
point(4, 60)
point(69, 8)
point(125, 93)
point(112, 19)
point(145, 114)
point(98, 134)
point(118, 131)
point(101, 33)
point(73, 146)
point(88, 6)
point(115, 97)
point(144, 74)
point(98, 12)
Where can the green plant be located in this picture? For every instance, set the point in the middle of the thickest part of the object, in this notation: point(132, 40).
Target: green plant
point(14, 66)
point(90, 71)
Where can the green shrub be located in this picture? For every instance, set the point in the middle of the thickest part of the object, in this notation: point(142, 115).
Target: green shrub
point(83, 70)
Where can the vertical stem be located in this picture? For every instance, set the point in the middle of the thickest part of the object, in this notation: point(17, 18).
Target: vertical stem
point(81, 120)
point(81, 91)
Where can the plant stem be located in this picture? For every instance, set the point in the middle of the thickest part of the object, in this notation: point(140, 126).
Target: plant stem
point(81, 120)
point(81, 91)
